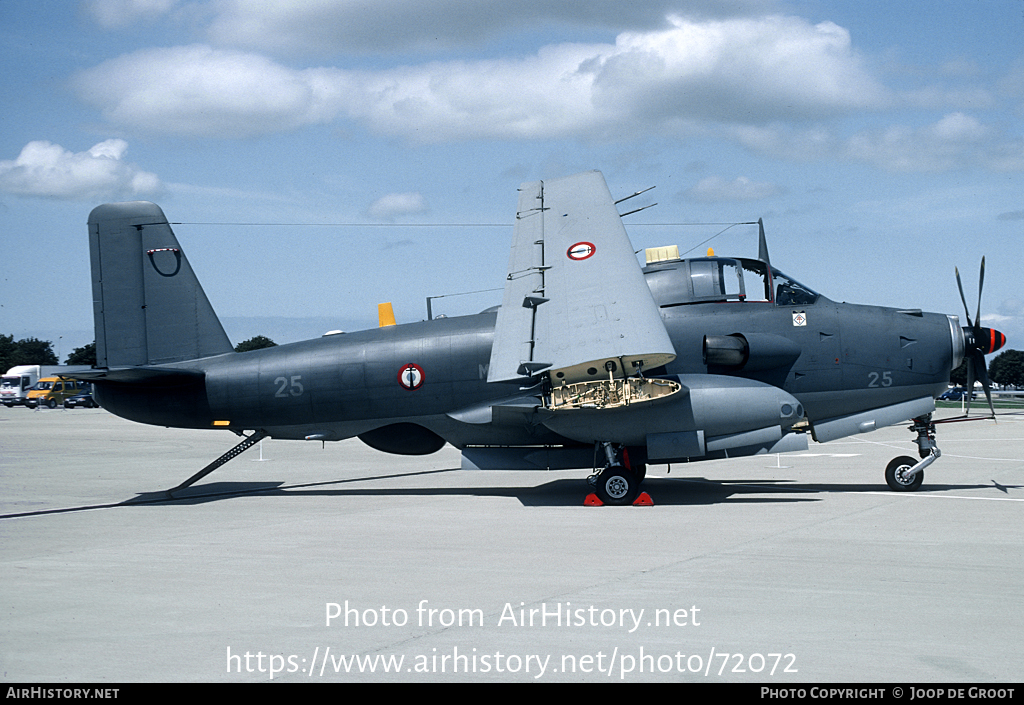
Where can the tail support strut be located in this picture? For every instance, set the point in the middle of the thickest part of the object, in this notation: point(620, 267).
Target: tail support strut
point(245, 445)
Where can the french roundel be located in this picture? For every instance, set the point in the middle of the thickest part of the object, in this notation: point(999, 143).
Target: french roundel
point(411, 376)
point(581, 251)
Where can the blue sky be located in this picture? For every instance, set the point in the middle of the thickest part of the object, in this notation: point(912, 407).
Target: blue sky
point(882, 143)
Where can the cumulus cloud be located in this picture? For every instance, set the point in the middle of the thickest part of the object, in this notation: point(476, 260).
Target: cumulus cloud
point(198, 90)
point(715, 189)
point(50, 171)
point(395, 205)
point(741, 70)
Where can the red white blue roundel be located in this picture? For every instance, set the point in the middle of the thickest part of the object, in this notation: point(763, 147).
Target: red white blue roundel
point(411, 376)
point(581, 251)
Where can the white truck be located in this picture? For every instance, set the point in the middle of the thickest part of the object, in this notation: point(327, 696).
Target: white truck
point(19, 379)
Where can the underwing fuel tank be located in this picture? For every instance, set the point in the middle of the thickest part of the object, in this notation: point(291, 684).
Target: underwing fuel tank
point(707, 407)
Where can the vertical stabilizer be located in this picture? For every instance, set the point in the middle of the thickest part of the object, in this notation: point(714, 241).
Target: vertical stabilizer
point(148, 306)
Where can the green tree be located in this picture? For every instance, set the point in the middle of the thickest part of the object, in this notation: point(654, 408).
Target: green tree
point(27, 351)
point(37, 352)
point(85, 355)
point(255, 343)
point(7, 351)
point(1007, 368)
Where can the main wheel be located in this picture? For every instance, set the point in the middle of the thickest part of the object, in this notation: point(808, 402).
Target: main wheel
point(896, 475)
point(617, 486)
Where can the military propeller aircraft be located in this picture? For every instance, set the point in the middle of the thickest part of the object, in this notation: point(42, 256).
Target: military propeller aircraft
point(590, 361)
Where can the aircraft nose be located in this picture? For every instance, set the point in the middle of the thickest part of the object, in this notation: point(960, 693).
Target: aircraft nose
point(988, 340)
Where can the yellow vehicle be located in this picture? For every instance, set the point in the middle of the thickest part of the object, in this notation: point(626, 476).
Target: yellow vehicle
point(51, 391)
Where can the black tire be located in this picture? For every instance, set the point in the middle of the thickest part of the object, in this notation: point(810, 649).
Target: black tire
point(51, 403)
point(617, 486)
point(894, 475)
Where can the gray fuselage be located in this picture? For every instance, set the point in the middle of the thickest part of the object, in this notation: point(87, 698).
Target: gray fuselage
point(396, 384)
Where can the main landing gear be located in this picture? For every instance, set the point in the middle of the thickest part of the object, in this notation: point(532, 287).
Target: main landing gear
point(619, 482)
point(905, 474)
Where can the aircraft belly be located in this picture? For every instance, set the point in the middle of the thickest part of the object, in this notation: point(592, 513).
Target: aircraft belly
point(825, 405)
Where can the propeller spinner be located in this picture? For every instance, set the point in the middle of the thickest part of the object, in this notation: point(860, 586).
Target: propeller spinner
point(978, 343)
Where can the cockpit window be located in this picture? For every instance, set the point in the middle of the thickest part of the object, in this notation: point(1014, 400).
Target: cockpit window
point(716, 279)
point(790, 292)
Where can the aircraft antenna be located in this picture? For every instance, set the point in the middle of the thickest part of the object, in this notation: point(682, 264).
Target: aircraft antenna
point(731, 226)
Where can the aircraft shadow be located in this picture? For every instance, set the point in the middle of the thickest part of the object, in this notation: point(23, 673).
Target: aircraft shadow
point(562, 492)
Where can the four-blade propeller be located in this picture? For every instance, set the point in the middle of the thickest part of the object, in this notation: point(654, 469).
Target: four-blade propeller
point(978, 343)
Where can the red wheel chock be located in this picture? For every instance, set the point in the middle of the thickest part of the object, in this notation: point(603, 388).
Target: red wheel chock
point(644, 500)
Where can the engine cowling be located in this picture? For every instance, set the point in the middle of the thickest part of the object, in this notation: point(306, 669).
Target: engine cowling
point(716, 406)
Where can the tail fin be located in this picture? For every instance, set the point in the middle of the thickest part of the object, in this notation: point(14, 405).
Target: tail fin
point(148, 306)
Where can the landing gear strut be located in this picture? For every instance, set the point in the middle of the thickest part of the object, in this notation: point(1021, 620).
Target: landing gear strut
point(248, 442)
point(619, 482)
point(904, 474)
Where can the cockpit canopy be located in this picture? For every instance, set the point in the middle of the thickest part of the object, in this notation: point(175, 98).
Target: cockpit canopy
point(715, 279)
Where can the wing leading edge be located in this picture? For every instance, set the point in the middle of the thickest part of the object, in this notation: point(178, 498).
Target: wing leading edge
point(576, 304)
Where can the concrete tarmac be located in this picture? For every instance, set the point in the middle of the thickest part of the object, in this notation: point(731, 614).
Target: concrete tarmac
point(345, 564)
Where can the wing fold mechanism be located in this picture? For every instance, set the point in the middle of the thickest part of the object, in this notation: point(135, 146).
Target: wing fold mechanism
point(576, 307)
point(611, 393)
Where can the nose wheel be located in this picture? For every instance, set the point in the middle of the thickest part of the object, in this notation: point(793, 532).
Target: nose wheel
point(905, 474)
point(897, 477)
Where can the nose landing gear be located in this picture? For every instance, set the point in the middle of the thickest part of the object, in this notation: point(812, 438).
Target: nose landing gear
point(904, 474)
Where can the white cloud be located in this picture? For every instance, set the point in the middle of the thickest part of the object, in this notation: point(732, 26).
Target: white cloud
point(715, 189)
point(394, 205)
point(955, 141)
point(50, 171)
point(197, 90)
point(736, 71)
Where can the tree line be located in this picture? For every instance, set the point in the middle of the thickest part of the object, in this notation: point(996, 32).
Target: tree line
point(33, 351)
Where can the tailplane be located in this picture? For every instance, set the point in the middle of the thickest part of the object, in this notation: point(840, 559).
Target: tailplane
point(148, 306)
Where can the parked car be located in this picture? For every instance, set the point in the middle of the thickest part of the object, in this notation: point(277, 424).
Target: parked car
point(83, 400)
point(51, 391)
point(956, 394)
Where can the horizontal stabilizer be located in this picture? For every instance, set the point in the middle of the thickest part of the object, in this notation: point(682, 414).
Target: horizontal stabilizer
point(139, 375)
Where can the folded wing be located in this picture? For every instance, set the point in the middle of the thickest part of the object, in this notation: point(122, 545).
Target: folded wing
point(576, 305)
